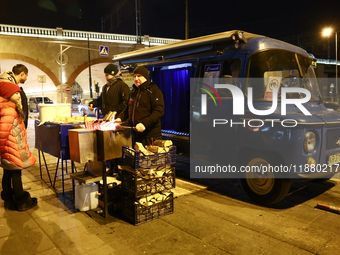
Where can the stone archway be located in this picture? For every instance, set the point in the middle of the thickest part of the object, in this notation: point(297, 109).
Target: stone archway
point(32, 61)
point(84, 66)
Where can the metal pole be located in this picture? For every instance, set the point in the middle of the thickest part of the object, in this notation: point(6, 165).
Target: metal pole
point(186, 20)
point(336, 64)
point(136, 7)
point(90, 78)
point(61, 73)
point(138, 22)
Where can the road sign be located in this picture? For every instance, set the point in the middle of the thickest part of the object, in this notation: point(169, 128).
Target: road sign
point(103, 50)
point(68, 89)
point(42, 78)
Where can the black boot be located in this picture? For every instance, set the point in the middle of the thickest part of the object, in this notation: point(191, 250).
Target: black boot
point(119, 175)
point(25, 201)
point(7, 196)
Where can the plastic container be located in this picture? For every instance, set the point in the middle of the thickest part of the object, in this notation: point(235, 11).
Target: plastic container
point(47, 112)
point(138, 160)
point(64, 110)
point(85, 196)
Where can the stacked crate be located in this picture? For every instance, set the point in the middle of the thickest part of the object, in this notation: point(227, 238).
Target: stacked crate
point(147, 181)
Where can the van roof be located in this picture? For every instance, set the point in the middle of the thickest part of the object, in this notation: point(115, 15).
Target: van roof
point(204, 43)
point(198, 43)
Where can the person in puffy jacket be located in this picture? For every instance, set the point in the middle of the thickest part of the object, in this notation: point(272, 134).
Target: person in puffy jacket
point(145, 108)
point(14, 151)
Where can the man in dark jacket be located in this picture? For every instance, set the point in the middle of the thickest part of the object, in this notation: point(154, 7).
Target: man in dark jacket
point(114, 94)
point(18, 75)
point(145, 108)
point(114, 98)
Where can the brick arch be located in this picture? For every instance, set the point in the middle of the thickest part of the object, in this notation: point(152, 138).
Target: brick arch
point(83, 66)
point(34, 62)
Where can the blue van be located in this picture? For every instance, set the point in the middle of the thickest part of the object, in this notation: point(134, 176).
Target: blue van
point(305, 146)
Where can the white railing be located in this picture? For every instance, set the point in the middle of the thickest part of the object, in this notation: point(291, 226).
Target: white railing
point(78, 35)
point(32, 31)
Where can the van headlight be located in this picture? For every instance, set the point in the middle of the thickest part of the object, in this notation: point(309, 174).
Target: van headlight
point(309, 142)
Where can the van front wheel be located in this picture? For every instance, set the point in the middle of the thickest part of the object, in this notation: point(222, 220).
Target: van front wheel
point(264, 188)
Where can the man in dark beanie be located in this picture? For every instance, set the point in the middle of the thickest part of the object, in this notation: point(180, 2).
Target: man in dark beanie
point(115, 93)
point(114, 98)
point(145, 108)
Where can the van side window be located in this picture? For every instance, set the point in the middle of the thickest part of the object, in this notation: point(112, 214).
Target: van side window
point(225, 72)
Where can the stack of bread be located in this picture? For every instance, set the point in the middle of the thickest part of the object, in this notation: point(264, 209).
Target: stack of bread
point(69, 120)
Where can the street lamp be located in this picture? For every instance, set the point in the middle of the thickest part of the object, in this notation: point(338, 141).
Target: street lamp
point(327, 32)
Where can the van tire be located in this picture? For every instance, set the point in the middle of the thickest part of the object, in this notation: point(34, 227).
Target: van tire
point(266, 190)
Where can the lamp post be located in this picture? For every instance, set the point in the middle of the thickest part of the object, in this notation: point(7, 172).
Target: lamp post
point(328, 32)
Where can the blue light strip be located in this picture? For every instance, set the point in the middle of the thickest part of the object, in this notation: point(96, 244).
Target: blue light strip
point(172, 132)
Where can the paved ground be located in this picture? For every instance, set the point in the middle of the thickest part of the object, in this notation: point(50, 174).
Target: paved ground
point(213, 218)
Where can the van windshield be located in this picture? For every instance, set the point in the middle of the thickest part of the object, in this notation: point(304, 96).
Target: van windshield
point(279, 69)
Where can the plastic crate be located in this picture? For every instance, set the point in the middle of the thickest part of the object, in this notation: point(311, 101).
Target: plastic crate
point(138, 160)
point(136, 186)
point(138, 214)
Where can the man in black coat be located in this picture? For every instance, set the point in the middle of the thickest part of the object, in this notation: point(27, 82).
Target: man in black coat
point(115, 92)
point(114, 98)
point(145, 108)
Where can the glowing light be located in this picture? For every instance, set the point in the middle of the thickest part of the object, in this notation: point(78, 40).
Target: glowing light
point(327, 32)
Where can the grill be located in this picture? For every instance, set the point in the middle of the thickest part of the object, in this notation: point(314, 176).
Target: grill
point(91, 145)
point(333, 136)
point(110, 142)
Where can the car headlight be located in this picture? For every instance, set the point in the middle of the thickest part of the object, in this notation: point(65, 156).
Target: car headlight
point(309, 142)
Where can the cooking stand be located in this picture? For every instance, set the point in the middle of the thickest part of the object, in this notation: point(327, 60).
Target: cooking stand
point(99, 145)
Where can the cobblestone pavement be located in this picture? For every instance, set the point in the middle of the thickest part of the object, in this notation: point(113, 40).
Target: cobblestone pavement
point(213, 217)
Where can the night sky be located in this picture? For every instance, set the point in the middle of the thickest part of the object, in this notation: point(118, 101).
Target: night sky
point(285, 20)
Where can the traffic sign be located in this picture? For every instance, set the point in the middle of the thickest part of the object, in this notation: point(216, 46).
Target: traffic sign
point(68, 89)
point(103, 50)
point(42, 78)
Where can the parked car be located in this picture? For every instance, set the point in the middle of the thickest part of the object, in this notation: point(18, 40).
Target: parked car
point(35, 101)
point(75, 104)
point(84, 109)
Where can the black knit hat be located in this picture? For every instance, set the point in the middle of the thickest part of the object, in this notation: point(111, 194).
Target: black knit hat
point(142, 71)
point(111, 69)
